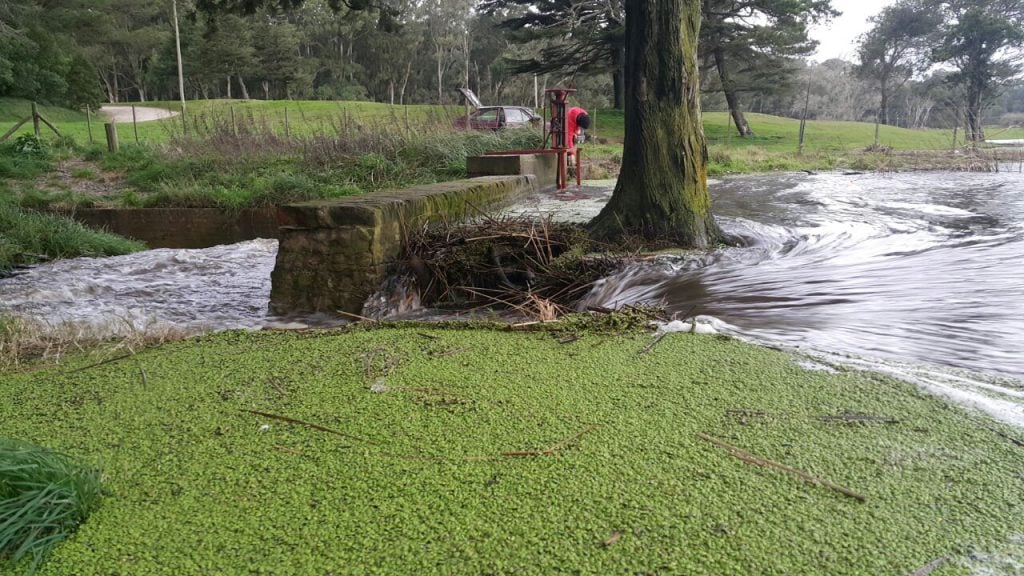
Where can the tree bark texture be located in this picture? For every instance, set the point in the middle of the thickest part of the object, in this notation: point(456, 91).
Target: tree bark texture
point(730, 96)
point(662, 194)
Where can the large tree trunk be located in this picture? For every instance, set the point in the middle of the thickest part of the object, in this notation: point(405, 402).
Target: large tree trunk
point(730, 95)
point(662, 191)
point(266, 89)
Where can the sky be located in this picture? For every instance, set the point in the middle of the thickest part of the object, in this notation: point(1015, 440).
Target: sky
point(838, 39)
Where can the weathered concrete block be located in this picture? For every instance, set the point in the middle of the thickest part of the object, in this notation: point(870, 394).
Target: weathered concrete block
point(543, 166)
point(335, 253)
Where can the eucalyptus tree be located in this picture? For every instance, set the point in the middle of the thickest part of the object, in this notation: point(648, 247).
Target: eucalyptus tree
point(896, 47)
point(982, 40)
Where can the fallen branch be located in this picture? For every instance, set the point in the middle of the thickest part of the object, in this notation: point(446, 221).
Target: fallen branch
point(307, 425)
point(759, 461)
point(555, 447)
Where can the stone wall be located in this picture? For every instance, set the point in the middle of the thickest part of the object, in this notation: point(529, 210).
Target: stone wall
point(335, 253)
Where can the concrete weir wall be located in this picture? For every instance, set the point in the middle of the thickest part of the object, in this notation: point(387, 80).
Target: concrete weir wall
point(335, 253)
point(180, 227)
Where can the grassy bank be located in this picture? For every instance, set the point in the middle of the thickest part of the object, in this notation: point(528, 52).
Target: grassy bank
point(480, 451)
point(238, 154)
point(27, 236)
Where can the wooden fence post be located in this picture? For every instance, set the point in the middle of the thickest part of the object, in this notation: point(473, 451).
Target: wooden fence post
point(35, 121)
point(111, 129)
point(135, 125)
point(88, 121)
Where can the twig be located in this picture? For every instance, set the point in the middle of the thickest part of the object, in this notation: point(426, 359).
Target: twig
point(554, 447)
point(427, 336)
point(289, 450)
point(653, 343)
point(449, 353)
point(1015, 441)
point(107, 361)
point(569, 339)
point(142, 372)
point(307, 424)
point(852, 417)
point(277, 386)
point(613, 539)
point(356, 316)
point(930, 567)
point(759, 461)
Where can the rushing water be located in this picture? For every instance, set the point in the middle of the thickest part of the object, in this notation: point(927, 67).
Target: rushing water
point(194, 290)
point(918, 274)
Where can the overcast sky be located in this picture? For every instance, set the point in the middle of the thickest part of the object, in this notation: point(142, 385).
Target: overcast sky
point(838, 38)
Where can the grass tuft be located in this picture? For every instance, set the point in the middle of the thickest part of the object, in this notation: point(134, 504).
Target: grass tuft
point(26, 237)
point(44, 497)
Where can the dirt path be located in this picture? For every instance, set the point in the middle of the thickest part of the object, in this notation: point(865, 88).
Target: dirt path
point(142, 113)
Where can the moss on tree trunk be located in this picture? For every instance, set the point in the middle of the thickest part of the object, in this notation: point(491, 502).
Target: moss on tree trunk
point(662, 193)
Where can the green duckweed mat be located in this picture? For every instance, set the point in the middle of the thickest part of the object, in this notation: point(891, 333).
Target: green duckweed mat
point(429, 451)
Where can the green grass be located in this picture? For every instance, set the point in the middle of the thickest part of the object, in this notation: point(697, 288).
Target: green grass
point(241, 173)
point(12, 110)
point(313, 117)
point(44, 497)
point(25, 235)
point(415, 480)
point(236, 154)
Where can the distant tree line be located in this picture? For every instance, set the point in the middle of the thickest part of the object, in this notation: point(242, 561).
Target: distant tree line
point(922, 63)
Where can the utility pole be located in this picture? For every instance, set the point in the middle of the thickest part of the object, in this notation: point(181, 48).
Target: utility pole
point(181, 74)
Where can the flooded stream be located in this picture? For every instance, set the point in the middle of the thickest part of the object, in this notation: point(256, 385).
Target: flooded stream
point(919, 275)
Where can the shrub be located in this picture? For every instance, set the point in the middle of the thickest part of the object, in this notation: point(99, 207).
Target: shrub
point(44, 497)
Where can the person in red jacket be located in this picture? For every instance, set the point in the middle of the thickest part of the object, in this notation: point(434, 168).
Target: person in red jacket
point(577, 120)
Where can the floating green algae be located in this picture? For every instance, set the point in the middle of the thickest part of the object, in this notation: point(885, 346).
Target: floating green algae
point(411, 478)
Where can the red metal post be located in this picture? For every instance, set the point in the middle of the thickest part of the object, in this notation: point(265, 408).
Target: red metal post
point(560, 142)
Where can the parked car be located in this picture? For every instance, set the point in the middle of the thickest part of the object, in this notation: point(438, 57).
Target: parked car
point(495, 117)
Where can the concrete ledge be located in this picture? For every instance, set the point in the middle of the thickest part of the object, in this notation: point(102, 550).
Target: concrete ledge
point(180, 227)
point(543, 166)
point(335, 253)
